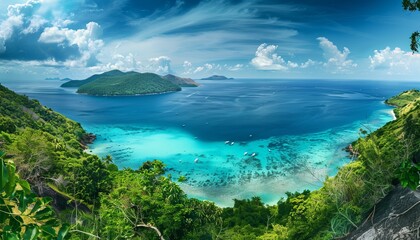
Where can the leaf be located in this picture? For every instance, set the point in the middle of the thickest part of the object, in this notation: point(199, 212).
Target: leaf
point(10, 236)
point(48, 230)
point(64, 230)
point(37, 205)
point(23, 202)
point(16, 223)
point(31, 232)
point(11, 184)
point(4, 176)
point(43, 214)
point(25, 186)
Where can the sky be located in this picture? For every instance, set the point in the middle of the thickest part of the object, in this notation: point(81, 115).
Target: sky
point(323, 39)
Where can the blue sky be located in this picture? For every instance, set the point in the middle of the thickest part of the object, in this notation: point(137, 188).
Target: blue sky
point(245, 39)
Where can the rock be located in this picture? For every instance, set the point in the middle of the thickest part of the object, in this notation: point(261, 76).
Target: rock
point(397, 216)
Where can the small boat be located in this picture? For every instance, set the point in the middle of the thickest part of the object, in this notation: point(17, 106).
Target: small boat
point(250, 135)
point(196, 160)
point(227, 142)
point(269, 150)
point(183, 125)
point(245, 153)
point(253, 154)
point(232, 143)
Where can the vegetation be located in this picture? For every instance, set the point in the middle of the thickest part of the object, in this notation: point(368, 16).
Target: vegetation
point(413, 5)
point(402, 100)
point(79, 83)
point(130, 83)
point(116, 82)
point(105, 202)
point(23, 215)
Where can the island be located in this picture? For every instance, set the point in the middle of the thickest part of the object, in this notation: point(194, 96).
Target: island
point(57, 79)
point(118, 83)
point(182, 82)
point(216, 77)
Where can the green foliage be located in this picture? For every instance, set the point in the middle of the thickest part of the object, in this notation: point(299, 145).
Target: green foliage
point(147, 198)
point(33, 152)
point(247, 212)
point(405, 98)
point(413, 5)
point(7, 125)
point(285, 206)
point(131, 83)
point(90, 179)
point(409, 174)
point(23, 215)
point(78, 83)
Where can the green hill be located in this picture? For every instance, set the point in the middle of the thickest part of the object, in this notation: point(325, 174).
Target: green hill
point(182, 82)
point(78, 83)
point(409, 97)
point(131, 83)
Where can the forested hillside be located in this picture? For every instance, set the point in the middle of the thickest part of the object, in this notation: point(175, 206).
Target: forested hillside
point(145, 203)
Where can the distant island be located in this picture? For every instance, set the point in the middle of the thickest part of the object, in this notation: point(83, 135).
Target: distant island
point(57, 79)
point(118, 83)
point(216, 77)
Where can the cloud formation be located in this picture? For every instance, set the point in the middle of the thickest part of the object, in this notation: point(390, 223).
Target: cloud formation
point(17, 17)
point(33, 31)
point(160, 65)
point(266, 58)
point(87, 40)
point(395, 61)
point(336, 60)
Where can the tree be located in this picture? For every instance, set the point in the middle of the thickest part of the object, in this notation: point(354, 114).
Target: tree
point(145, 204)
point(413, 5)
point(33, 153)
point(22, 214)
point(7, 125)
point(91, 178)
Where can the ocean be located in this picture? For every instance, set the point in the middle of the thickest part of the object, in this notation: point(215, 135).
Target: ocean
point(231, 139)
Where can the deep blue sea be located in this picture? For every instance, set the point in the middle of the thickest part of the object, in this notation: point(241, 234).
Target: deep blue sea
point(233, 138)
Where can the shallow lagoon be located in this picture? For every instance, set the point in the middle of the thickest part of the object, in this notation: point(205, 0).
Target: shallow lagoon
point(296, 128)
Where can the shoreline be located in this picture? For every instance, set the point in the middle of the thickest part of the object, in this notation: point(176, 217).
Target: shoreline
point(131, 95)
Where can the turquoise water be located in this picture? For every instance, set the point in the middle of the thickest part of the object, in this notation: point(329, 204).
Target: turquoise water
point(220, 171)
point(287, 135)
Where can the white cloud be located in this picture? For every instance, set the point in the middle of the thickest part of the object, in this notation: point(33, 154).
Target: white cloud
point(308, 64)
point(266, 58)
point(199, 69)
point(236, 67)
point(212, 68)
point(35, 24)
point(87, 40)
point(16, 15)
point(336, 60)
point(292, 64)
point(23, 9)
point(53, 35)
point(6, 30)
point(160, 65)
point(187, 64)
point(395, 61)
point(120, 62)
